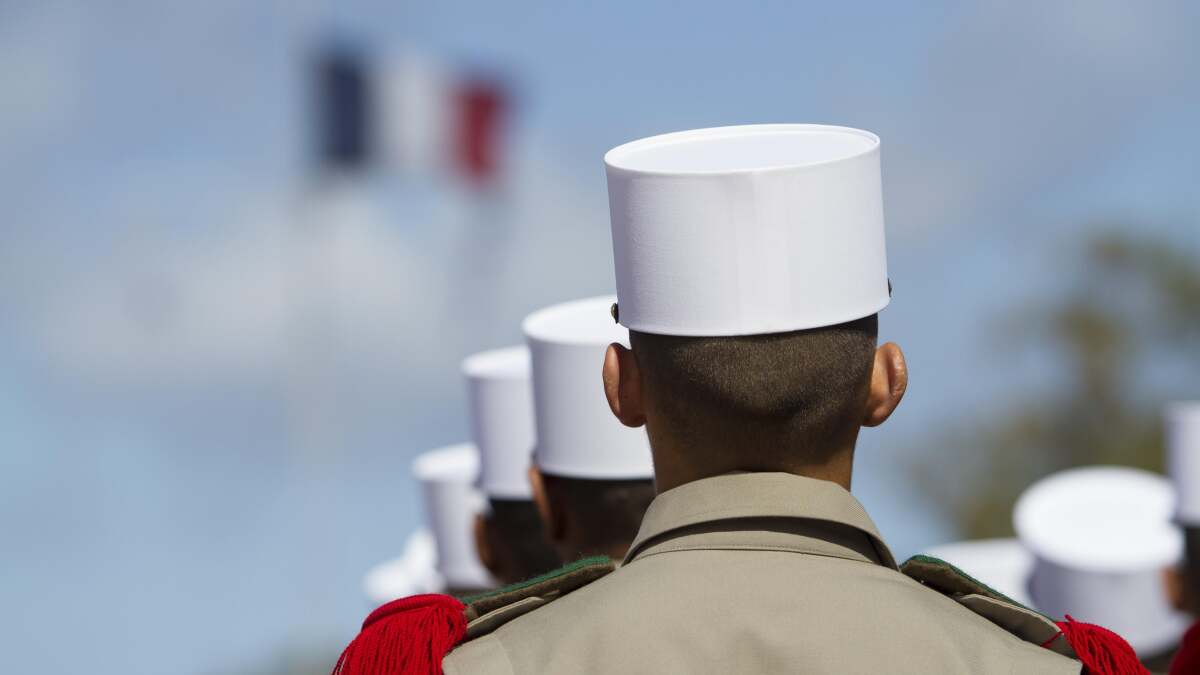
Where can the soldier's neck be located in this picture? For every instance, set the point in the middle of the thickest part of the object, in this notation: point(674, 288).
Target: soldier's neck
point(574, 550)
point(675, 466)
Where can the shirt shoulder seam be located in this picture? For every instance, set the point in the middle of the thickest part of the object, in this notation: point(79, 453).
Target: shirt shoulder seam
point(776, 549)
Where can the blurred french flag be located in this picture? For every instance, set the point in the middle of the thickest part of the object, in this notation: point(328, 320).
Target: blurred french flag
point(409, 113)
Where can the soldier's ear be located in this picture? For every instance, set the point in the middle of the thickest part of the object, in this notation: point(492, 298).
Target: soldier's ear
point(552, 523)
point(483, 546)
point(889, 380)
point(623, 386)
point(1175, 588)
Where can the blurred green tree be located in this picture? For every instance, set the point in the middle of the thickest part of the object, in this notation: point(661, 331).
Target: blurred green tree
point(1127, 339)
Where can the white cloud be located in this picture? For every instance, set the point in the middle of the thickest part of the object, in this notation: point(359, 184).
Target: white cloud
point(230, 305)
point(294, 279)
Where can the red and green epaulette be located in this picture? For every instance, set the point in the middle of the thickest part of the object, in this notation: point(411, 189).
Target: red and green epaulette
point(410, 636)
point(1101, 651)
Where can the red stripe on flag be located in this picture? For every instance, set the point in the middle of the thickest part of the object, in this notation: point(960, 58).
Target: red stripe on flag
point(481, 107)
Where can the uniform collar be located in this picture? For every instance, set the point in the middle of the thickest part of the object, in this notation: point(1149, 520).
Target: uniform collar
point(755, 495)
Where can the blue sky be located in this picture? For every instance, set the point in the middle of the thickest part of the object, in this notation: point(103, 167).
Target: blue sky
point(154, 181)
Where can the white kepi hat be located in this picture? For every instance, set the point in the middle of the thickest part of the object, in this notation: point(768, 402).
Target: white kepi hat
point(577, 434)
point(447, 476)
point(1183, 459)
point(1101, 538)
point(413, 573)
point(748, 229)
point(1003, 564)
point(500, 393)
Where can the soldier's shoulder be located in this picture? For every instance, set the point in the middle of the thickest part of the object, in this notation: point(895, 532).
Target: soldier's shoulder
point(945, 579)
point(488, 611)
point(414, 635)
point(1045, 639)
point(481, 651)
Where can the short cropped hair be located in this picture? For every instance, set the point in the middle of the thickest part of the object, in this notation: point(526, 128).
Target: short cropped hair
point(518, 536)
point(802, 391)
point(608, 512)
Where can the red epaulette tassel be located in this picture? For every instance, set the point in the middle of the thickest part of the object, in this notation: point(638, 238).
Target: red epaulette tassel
point(408, 636)
point(1102, 651)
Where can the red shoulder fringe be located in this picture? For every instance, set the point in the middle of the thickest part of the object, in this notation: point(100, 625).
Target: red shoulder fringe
point(1102, 651)
point(409, 636)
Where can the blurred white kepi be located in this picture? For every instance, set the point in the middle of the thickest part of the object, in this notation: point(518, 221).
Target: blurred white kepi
point(1103, 540)
point(1096, 543)
point(413, 573)
point(442, 557)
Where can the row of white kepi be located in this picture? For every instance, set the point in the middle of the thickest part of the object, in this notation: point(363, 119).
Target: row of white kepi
point(1097, 542)
point(545, 395)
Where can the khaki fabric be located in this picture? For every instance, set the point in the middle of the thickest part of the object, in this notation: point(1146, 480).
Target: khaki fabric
point(754, 573)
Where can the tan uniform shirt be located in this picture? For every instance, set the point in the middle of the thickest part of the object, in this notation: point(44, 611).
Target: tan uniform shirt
point(754, 573)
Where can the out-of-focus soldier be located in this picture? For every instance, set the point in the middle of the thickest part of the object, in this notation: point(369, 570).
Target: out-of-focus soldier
point(441, 557)
point(509, 536)
point(1102, 539)
point(592, 476)
point(412, 573)
point(1183, 461)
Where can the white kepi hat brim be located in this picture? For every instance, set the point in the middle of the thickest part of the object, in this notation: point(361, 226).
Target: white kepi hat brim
point(447, 477)
point(413, 573)
point(1003, 565)
point(577, 434)
point(1101, 538)
point(747, 229)
point(500, 397)
point(1183, 459)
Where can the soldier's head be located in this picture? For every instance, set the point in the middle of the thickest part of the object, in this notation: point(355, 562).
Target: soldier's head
point(1183, 581)
point(511, 541)
point(774, 402)
point(591, 516)
point(592, 477)
point(509, 537)
point(750, 266)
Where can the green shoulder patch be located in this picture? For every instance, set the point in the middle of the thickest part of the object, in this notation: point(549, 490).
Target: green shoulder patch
point(1023, 622)
point(949, 580)
point(488, 611)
